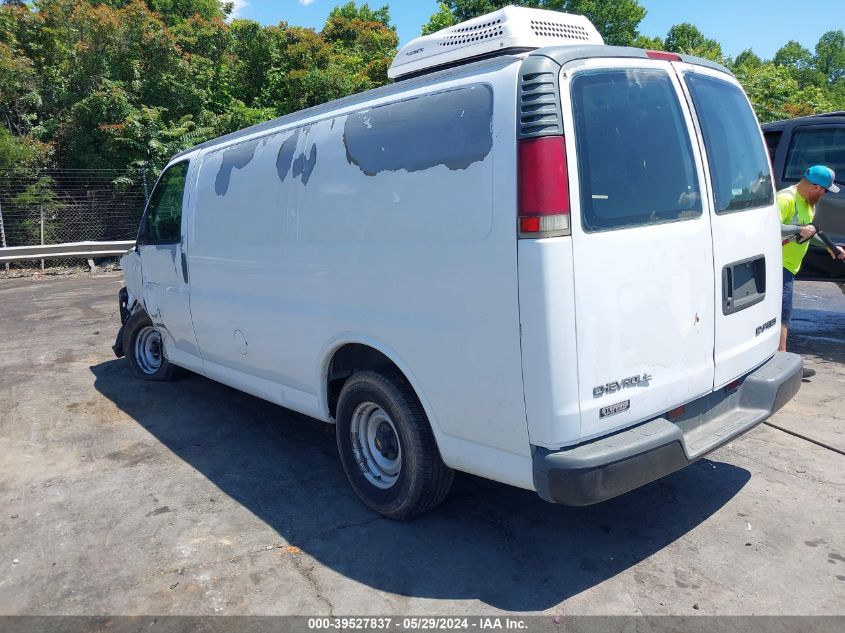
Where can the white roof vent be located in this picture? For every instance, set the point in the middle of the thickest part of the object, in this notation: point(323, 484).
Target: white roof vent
point(506, 30)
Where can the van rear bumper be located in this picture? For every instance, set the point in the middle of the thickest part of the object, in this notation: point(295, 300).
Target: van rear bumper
point(612, 465)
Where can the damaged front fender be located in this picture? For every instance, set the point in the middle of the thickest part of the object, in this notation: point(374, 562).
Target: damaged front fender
point(123, 306)
point(129, 295)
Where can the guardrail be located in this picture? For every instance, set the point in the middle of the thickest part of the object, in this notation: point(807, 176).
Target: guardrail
point(83, 250)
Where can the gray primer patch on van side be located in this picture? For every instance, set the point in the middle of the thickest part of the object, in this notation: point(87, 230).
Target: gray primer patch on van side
point(305, 166)
point(237, 157)
point(285, 157)
point(451, 128)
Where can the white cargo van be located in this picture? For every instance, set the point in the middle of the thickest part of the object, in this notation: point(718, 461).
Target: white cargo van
point(534, 258)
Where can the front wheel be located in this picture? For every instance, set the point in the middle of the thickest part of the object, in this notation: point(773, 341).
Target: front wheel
point(387, 448)
point(144, 350)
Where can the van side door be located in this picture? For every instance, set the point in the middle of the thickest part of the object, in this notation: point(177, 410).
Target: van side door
point(237, 247)
point(164, 268)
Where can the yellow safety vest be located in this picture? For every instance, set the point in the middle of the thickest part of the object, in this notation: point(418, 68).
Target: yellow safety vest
point(794, 210)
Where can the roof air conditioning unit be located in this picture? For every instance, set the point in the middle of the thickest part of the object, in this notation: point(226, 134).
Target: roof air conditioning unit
point(508, 30)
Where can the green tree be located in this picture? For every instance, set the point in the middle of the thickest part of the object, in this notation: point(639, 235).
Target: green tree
point(85, 132)
point(104, 83)
point(687, 39)
point(362, 42)
point(237, 117)
point(775, 93)
point(350, 11)
point(38, 207)
point(250, 50)
point(747, 58)
point(793, 55)
point(800, 63)
point(836, 94)
point(649, 43)
point(617, 21)
point(21, 151)
point(174, 11)
point(205, 46)
point(13, 152)
point(10, 13)
point(350, 54)
point(294, 52)
point(146, 139)
point(360, 36)
point(19, 97)
point(830, 56)
point(305, 72)
point(442, 19)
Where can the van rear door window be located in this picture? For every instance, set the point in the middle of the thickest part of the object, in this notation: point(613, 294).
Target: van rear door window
point(634, 154)
point(815, 146)
point(739, 167)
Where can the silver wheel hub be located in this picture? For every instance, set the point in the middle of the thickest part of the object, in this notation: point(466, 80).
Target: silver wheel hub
point(148, 352)
point(375, 445)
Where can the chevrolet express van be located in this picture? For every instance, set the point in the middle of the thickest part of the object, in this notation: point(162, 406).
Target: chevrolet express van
point(533, 257)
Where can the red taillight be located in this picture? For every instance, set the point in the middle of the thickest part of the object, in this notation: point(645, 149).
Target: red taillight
point(530, 225)
point(669, 57)
point(733, 386)
point(543, 187)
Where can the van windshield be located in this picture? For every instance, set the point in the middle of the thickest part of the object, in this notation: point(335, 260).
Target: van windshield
point(634, 155)
point(739, 167)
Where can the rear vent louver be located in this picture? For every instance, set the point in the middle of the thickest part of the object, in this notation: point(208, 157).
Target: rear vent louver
point(539, 98)
point(559, 30)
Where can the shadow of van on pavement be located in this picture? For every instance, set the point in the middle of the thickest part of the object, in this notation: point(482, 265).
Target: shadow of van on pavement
point(498, 544)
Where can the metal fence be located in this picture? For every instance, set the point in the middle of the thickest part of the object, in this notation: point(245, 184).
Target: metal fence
point(68, 205)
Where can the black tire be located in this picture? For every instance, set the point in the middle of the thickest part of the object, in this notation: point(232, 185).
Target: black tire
point(423, 480)
point(139, 325)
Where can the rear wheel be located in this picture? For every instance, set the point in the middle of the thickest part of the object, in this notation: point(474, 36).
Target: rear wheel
point(387, 448)
point(144, 351)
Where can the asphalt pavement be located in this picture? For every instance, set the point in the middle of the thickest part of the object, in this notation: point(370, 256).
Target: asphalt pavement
point(125, 497)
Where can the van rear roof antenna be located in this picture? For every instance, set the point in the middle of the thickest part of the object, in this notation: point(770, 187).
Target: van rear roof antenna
point(498, 33)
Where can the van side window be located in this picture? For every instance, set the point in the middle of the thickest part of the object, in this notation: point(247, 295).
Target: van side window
point(815, 146)
point(162, 221)
point(634, 154)
point(739, 167)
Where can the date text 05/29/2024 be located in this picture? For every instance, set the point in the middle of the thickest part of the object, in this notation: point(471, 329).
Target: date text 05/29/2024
point(418, 623)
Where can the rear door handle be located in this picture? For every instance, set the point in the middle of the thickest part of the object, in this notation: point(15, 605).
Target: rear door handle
point(743, 284)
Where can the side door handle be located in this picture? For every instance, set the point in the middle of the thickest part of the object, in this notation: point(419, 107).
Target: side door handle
point(184, 266)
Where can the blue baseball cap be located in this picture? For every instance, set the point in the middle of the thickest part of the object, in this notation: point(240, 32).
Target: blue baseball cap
point(822, 176)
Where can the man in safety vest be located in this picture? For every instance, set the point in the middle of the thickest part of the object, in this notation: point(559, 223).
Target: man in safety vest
point(796, 205)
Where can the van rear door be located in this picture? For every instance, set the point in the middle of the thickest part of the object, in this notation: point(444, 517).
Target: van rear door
point(746, 236)
point(642, 243)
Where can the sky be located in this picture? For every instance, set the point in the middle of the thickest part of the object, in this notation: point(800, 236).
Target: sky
point(762, 25)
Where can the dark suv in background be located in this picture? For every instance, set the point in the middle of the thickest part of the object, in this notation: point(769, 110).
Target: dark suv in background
point(796, 144)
